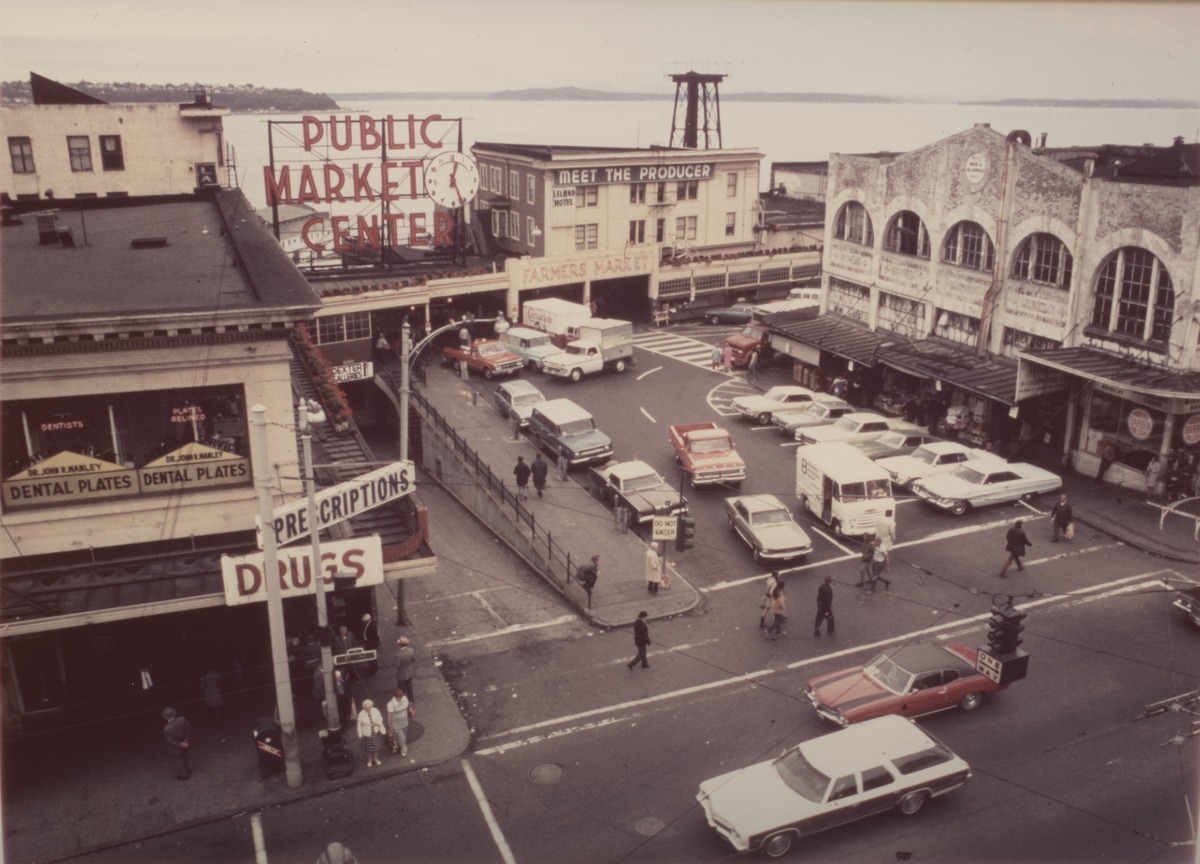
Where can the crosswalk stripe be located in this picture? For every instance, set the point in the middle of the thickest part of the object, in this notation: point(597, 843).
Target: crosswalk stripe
point(681, 348)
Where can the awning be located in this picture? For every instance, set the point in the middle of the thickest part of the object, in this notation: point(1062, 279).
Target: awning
point(1117, 374)
point(940, 359)
point(837, 335)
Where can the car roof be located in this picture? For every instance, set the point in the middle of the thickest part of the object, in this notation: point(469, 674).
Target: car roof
point(632, 468)
point(863, 416)
point(925, 656)
point(940, 447)
point(526, 332)
point(518, 386)
point(757, 503)
point(865, 745)
point(789, 388)
point(561, 410)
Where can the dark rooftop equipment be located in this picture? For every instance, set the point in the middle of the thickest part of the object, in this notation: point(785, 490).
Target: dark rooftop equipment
point(703, 103)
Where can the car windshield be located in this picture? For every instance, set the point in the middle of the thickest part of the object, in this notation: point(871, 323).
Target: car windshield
point(712, 445)
point(924, 456)
point(537, 341)
point(970, 475)
point(801, 777)
point(891, 439)
point(578, 427)
point(489, 349)
point(888, 674)
point(646, 481)
point(771, 517)
point(752, 332)
point(817, 409)
point(863, 491)
point(845, 423)
point(527, 398)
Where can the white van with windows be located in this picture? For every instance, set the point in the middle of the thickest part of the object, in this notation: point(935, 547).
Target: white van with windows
point(843, 488)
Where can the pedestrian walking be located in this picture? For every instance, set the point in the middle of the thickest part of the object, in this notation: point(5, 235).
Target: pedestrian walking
point(866, 556)
point(1061, 520)
point(641, 638)
point(1152, 469)
point(406, 659)
point(178, 735)
point(716, 357)
point(522, 472)
point(370, 732)
point(587, 574)
point(654, 572)
point(368, 637)
point(838, 387)
point(1014, 543)
point(778, 611)
point(400, 710)
point(878, 564)
point(343, 640)
point(214, 699)
point(765, 606)
point(1108, 455)
point(824, 607)
point(752, 366)
point(727, 357)
point(885, 532)
point(539, 469)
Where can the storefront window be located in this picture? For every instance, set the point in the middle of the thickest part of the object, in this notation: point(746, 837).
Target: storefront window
point(1134, 430)
point(62, 451)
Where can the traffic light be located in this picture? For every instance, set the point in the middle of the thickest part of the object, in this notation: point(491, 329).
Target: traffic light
point(1004, 629)
point(685, 533)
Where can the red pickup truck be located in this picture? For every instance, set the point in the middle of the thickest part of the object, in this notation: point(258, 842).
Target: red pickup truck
point(485, 355)
point(753, 336)
point(706, 453)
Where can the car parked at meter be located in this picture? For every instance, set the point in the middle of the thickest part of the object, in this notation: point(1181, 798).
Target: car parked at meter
point(911, 680)
point(825, 409)
point(896, 442)
point(517, 398)
point(738, 313)
point(767, 526)
point(936, 457)
point(759, 407)
point(983, 481)
point(638, 488)
point(855, 427)
point(567, 431)
point(888, 763)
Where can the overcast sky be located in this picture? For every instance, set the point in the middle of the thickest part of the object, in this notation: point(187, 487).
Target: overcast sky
point(973, 49)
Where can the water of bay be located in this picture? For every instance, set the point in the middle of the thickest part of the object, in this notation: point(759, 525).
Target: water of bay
point(781, 131)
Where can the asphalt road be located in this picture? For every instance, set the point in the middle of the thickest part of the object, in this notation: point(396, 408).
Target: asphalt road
point(576, 758)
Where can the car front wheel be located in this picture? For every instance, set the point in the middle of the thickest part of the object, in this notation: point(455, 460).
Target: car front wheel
point(763, 419)
point(777, 845)
point(576, 374)
point(912, 803)
point(619, 366)
point(959, 508)
point(713, 319)
point(489, 374)
point(971, 701)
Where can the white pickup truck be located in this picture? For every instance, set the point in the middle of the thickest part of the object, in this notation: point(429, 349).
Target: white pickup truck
point(603, 343)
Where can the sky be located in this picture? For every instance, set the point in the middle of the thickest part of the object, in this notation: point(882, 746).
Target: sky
point(952, 48)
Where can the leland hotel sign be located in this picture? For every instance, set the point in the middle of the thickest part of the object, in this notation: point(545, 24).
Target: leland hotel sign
point(373, 167)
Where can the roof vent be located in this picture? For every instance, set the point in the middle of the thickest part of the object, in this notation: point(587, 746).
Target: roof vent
point(148, 242)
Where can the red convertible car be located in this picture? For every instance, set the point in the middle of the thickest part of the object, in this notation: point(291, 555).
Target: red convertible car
point(910, 681)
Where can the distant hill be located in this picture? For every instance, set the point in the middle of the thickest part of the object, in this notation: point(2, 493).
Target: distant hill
point(236, 97)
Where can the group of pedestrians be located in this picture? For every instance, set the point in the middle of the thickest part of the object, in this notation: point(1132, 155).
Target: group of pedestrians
point(537, 471)
point(1017, 542)
point(774, 604)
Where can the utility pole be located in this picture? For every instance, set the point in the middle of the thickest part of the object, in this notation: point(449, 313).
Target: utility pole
point(405, 394)
point(278, 638)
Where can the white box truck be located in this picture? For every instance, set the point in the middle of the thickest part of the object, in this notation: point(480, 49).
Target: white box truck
point(601, 343)
point(843, 488)
point(555, 316)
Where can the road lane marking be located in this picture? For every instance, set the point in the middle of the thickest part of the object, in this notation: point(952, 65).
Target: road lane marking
point(486, 809)
point(646, 414)
point(649, 372)
point(790, 444)
point(1077, 598)
point(505, 631)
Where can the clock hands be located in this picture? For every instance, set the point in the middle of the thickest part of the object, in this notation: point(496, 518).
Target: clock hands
point(454, 184)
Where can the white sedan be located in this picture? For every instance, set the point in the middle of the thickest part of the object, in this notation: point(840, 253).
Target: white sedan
point(767, 526)
point(761, 406)
point(984, 481)
point(936, 457)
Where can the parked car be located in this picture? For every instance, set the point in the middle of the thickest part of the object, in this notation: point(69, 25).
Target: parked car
point(759, 407)
point(824, 410)
point(485, 355)
point(738, 313)
point(767, 526)
point(936, 457)
point(858, 426)
point(897, 442)
point(532, 346)
point(983, 481)
point(882, 764)
point(517, 398)
point(638, 488)
point(568, 431)
point(1187, 600)
point(911, 680)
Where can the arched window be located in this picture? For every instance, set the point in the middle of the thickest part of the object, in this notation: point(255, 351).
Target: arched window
point(1043, 258)
point(1134, 296)
point(907, 235)
point(968, 245)
point(854, 225)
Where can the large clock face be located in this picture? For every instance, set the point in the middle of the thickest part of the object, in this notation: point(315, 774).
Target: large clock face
point(451, 179)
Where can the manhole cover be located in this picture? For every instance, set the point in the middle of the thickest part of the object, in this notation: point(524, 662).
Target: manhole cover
point(547, 772)
point(649, 826)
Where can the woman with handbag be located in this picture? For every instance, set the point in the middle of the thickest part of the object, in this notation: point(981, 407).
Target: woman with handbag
point(370, 732)
point(400, 711)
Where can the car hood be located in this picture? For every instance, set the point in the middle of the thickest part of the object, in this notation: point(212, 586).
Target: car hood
point(848, 690)
point(740, 341)
point(828, 433)
point(653, 499)
point(587, 440)
point(523, 411)
point(755, 403)
point(949, 486)
point(754, 800)
point(723, 459)
point(785, 535)
point(503, 358)
point(904, 466)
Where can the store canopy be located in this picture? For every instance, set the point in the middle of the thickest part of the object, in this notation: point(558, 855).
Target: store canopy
point(1125, 373)
point(940, 359)
point(837, 335)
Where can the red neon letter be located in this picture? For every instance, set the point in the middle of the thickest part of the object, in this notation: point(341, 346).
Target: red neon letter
point(443, 229)
point(314, 131)
point(278, 192)
point(341, 234)
point(308, 226)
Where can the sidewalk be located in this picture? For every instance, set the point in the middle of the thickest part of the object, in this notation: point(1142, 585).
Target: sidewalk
point(68, 792)
point(1159, 527)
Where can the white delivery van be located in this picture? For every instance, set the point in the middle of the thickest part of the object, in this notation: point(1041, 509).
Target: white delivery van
point(554, 316)
point(843, 488)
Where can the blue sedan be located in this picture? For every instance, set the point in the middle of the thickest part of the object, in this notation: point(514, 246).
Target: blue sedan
point(738, 313)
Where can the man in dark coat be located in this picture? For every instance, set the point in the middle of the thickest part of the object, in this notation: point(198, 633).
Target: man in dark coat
point(522, 472)
point(587, 576)
point(1014, 544)
point(178, 735)
point(824, 607)
point(641, 638)
point(539, 469)
point(1060, 517)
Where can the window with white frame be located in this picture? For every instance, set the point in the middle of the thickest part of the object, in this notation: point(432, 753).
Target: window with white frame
point(530, 188)
point(587, 196)
point(514, 226)
point(637, 193)
point(660, 230)
point(500, 223)
point(1134, 296)
point(660, 195)
point(586, 236)
point(20, 150)
point(853, 224)
point(906, 235)
point(955, 326)
point(497, 180)
point(529, 226)
point(1043, 258)
point(687, 190)
point(343, 328)
point(637, 232)
point(112, 157)
point(968, 245)
point(685, 228)
point(80, 150)
point(730, 224)
point(731, 185)
point(514, 185)
point(483, 177)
